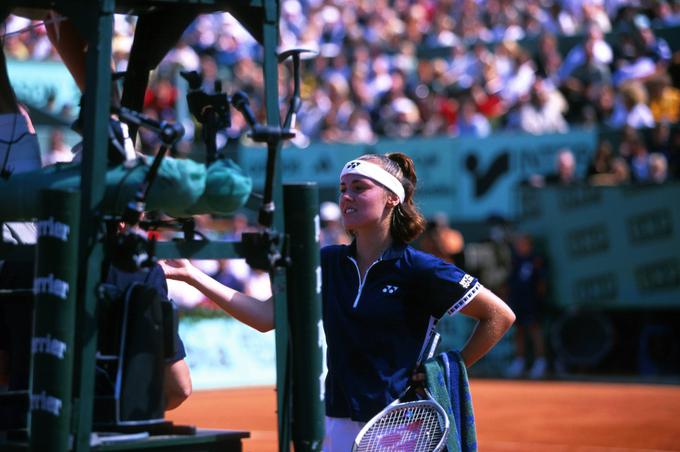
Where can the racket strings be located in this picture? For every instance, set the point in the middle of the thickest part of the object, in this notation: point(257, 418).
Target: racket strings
point(405, 429)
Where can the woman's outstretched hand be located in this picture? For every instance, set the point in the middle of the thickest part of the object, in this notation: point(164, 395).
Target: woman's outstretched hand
point(178, 269)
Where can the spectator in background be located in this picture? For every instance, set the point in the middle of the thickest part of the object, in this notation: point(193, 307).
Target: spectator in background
point(642, 54)
point(58, 150)
point(594, 45)
point(542, 112)
point(161, 97)
point(619, 174)
point(442, 241)
point(224, 274)
point(631, 107)
point(488, 103)
point(660, 139)
point(332, 230)
point(665, 15)
point(398, 114)
point(559, 21)
point(658, 168)
point(602, 160)
point(652, 46)
point(183, 56)
point(527, 291)
point(548, 58)
point(521, 78)
point(664, 99)
point(629, 135)
point(620, 171)
point(583, 84)
point(639, 161)
point(470, 121)
point(566, 169)
point(604, 103)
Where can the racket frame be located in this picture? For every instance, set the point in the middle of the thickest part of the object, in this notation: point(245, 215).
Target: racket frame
point(398, 404)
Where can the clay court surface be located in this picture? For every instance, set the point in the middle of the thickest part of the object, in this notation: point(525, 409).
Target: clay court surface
point(510, 415)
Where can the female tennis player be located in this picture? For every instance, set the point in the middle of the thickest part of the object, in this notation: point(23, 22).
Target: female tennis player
point(381, 297)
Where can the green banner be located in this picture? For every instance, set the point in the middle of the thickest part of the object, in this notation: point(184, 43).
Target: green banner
point(467, 178)
point(609, 246)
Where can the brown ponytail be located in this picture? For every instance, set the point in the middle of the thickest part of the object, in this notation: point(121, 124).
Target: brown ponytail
point(407, 223)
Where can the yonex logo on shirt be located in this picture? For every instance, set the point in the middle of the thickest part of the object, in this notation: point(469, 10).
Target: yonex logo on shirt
point(390, 289)
point(466, 281)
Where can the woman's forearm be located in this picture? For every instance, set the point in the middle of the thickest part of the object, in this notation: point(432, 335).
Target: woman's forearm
point(251, 311)
point(484, 336)
point(494, 319)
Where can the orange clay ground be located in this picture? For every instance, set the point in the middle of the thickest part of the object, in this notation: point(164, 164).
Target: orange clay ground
point(510, 416)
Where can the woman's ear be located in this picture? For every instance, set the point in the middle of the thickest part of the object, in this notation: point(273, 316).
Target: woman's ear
point(392, 200)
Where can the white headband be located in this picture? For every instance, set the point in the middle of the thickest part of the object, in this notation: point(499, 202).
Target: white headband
point(376, 173)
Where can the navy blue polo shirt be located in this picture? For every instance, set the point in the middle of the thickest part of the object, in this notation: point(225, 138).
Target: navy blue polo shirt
point(376, 329)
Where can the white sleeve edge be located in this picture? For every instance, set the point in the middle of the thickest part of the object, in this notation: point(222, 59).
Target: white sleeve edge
point(465, 299)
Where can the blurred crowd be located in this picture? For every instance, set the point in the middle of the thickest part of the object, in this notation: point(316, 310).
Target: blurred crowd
point(409, 68)
point(456, 67)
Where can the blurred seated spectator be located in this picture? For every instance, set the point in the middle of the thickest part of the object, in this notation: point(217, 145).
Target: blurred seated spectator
point(664, 99)
point(629, 135)
point(582, 86)
point(660, 139)
point(488, 103)
point(332, 230)
point(183, 55)
point(548, 58)
point(470, 121)
point(620, 174)
point(652, 46)
point(541, 113)
point(642, 54)
point(565, 174)
point(666, 15)
point(560, 21)
point(161, 97)
point(594, 44)
point(620, 171)
point(631, 107)
point(58, 150)
point(224, 274)
point(603, 105)
point(639, 161)
point(359, 129)
point(517, 73)
point(602, 160)
point(658, 168)
point(442, 241)
point(594, 13)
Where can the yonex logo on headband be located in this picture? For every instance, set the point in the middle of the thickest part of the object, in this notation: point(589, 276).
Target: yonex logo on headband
point(376, 173)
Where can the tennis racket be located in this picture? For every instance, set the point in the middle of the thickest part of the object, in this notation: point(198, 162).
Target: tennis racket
point(407, 425)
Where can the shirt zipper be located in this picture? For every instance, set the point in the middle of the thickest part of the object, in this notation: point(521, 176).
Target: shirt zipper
point(361, 281)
